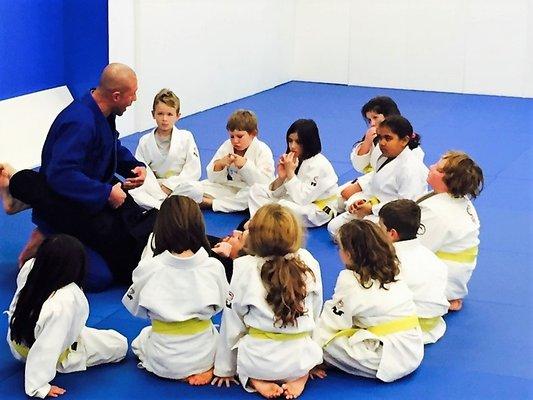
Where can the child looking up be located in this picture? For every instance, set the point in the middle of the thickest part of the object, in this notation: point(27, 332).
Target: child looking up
point(370, 327)
point(420, 268)
point(306, 182)
point(170, 154)
point(47, 318)
point(399, 174)
point(179, 289)
point(274, 299)
point(451, 224)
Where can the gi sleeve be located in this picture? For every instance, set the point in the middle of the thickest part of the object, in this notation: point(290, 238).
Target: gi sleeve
point(218, 176)
point(318, 180)
point(44, 354)
point(360, 162)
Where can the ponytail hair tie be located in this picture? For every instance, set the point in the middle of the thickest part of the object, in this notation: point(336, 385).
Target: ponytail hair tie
point(290, 256)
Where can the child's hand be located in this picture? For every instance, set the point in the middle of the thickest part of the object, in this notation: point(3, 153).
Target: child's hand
point(363, 209)
point(222, 248)
point(221, 380)
point(370, 134)
point(55, 391)
point(239, 161)
point(223, 162)
point(282, 172)
point(355, 206)
point(291, 163)
point(349, 190)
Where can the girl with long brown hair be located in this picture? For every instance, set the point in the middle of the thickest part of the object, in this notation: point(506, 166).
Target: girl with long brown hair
point(369, 327)
point(275, 297)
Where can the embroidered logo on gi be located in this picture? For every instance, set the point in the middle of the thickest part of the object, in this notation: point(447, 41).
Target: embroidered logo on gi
point(229, 299)
point(337, 308)
point(471, 213)
point(315, 179)
point(130, 293)
point(195, 152)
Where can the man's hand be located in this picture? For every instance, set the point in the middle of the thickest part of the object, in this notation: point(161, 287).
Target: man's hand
point(117, 196)
point(137, 180)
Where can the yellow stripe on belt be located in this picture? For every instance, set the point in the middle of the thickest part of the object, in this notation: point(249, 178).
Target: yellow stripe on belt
point(188, 327)
point(465, 256)
point(261, 334)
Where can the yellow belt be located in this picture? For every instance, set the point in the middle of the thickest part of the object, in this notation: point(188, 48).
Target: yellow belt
point(260, 334)
point(368, 169)
point(24, 350)
point(465, 256)
point(373, 200)
point(188, 327)
point(386, 328)
point(427, 324)
point(321, 203)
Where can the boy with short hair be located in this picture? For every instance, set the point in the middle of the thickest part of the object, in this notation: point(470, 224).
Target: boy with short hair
point(240, 161)
point(170, 154)
point(420, 268)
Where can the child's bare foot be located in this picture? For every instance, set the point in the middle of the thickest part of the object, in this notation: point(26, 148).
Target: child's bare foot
point(318, 372)
point(11, 205)
point(294, 388)
point(455, 305)
point(29, 251)
point(203, 378)
point(266, 389)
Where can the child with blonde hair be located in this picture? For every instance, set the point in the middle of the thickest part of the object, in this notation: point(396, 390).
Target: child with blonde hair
point(170, 154)
point(47, 318)
point(179, 289)
point(369, 327)
point(274, 299)
point(239, 162)
point(450, 221)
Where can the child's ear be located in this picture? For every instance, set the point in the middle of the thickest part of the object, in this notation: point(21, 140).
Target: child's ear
point(253, 133)
point(393, 234)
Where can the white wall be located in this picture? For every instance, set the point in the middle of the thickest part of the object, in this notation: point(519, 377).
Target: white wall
point(464, 46)
point(209, 52)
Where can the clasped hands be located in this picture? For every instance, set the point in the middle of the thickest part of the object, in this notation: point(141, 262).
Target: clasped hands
point(228, 160)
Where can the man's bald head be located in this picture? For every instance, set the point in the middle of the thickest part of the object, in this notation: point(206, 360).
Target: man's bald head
point(117, 77)
point(116, 90)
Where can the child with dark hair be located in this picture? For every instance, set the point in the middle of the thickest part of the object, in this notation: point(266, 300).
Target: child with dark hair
point(399, 174)
point(450, 221)
point(369, 327)
point(274, 299)
point(179, 289)
point(420, 268)
point(47, 318)
point(306, 181)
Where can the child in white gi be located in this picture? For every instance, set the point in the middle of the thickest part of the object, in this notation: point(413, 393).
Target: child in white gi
point(425, 274)
point(306, 182)
point(274, 299)
point(370, 327)
point(170, 154)
point(450, 221)
point(399, 174)
point(47, 318)
point(179, 289)
point(241, 161)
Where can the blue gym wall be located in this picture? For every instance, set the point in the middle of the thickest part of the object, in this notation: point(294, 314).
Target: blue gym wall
point(50, 43)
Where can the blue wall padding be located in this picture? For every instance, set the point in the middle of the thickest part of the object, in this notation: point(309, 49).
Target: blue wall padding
point(50, 43)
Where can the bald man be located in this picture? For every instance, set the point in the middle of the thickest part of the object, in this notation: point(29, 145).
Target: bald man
point(76, 190)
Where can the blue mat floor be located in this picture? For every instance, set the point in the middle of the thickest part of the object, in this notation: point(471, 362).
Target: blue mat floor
point(485, 353)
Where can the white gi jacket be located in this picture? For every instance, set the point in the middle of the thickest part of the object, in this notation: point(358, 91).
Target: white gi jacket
point(246, 306)
point(387, 357)
point(61, 326)
point(169, 288)
point(316, 180)
point(426, 276)
point(452, 226)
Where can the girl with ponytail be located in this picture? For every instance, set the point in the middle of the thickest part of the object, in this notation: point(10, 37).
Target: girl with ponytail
point(275, 297)
point(47, 318)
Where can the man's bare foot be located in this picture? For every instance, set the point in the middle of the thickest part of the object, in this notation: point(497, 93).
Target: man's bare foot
point(203, 378)
point(29, 251)
point(318, 372)
point(266, 389)
point(294, 388)
point(11, 205)
point(455, 305)
point(207, 203)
